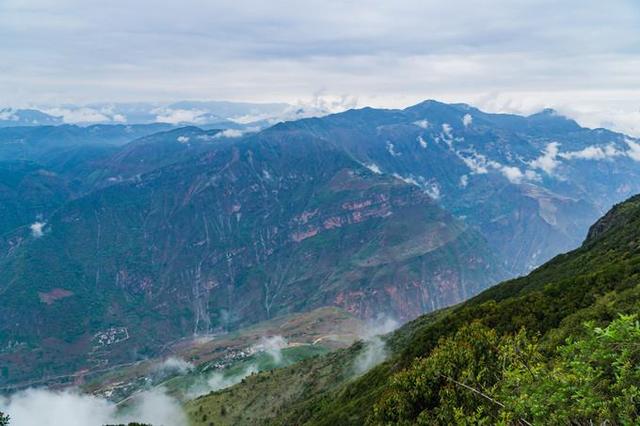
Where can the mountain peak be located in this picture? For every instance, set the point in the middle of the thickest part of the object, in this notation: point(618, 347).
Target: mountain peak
point(547, 112)
point(429, 103)
point(553, 121)
point(619, 218)
point(26, 117)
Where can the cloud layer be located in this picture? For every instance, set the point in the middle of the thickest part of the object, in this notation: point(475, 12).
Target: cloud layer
point(54, 408)
point(578, 56)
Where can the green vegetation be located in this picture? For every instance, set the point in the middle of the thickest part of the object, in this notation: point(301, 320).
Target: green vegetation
point(4, 419)
point(263, 395)
point(478, 377)
point(556, 347)
point(182, 385)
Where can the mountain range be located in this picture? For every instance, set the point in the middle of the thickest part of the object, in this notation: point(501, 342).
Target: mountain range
point(119, 239)
point(201, 113)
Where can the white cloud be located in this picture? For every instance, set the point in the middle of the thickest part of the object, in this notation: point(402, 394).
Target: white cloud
point(391, 149)
point(433, 190)
point(467, 120)
point(8, 114)
point(229, 133)
point(429, 186)
point(174, 365)
point(119, 118)
point(634, 149)
point(81, 115)
point(374, 168)
point(593, 153)
point(379, 54)
point(477, 163)
point(547, 161)
point(423, 124)
point(373, 353)
point(531, 175)
point(273, 346)
point(318, 105)
point(422, 142)
point(179, 116)
point(218, 380)
point(374, 350)
point(323, 103)
point(446, 129)
point(514, 174)
point(70, 408)
point(37, 229)
point(183, 139)
point(612, 112)
point(410, 180)
point(464, 181)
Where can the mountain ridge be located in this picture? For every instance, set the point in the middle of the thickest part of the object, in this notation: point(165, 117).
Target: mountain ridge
point(368, 210)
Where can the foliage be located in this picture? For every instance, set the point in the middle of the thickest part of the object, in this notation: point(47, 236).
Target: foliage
point(4, 419)
point(591, 380)
point(455, 382)
point(478, 377)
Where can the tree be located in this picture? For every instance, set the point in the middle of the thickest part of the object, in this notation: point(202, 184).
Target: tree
point(4, 419)
point(478, 377)
point(594, 379)
point(450, 386)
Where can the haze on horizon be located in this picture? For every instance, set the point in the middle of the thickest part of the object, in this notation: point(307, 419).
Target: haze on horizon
point(579, 57)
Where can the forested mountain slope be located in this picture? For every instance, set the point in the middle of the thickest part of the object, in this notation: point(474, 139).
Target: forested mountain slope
point(527, 351)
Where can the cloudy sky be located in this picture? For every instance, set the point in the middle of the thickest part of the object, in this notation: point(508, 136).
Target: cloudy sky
point(579, 56)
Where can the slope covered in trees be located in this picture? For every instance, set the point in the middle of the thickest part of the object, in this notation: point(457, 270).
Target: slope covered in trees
point(559, 346)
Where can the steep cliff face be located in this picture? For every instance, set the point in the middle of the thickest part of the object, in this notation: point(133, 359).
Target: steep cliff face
point(619, 219)
point(240, 234)
point(530, 185)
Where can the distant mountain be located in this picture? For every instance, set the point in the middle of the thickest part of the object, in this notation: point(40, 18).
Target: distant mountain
point(545, 348)
point(530, 185)
point(243, 111)
point(43, 167)
point(41, 142)
point(10, 117)
point(219, 114)
point(253, 229)
point(205, 114)
point(154, 151)
point(76, 160)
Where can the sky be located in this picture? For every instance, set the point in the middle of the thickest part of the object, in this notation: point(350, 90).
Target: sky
point(581, 57)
